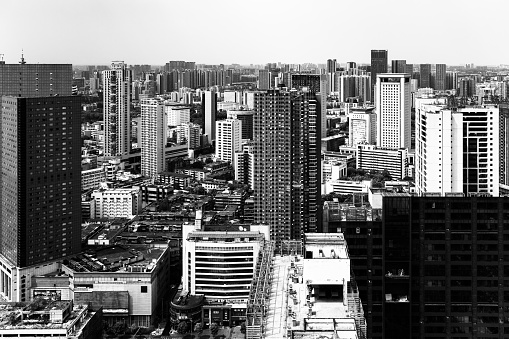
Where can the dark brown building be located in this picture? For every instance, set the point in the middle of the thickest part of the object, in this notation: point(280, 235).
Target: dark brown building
point(40, 179)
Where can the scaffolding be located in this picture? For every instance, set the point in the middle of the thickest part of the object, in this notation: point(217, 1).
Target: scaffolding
point(260, 292)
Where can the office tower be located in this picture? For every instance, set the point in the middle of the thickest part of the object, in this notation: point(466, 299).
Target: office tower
point(331, 65)
point(362, 126)
point(243, 164)
point(425, 76)
point(393, 103)
point(247, 122)
point(440, 77)
point(228, 141)
point(35, 80)
point(153, 137)
point(209, 111)
point(457, 150)
point(117, 109)
point(41, 183)
point(264, 79)
point(378, 64)
point(398, 66)
point(315, 83)
point(504, 145)
point(287, 154)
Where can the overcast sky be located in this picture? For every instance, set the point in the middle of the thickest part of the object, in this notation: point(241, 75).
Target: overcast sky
point(253, 32)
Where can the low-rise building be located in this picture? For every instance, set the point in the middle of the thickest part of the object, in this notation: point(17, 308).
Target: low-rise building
point(370, 158)
point(176, 180)
point(91, 178)
point(346, 186)
point(115, 203)
point(50, 318)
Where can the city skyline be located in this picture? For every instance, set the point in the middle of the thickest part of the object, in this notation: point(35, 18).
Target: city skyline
point(59, 25)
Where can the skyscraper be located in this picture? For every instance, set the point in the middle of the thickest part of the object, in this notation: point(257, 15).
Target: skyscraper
point(457, 151)
point(117, 109)
point(153, 137)
point(425, 76)
point(331, 65)
point(209, 111)
point(247, 122)
point(35, 80)
point(398, 66)
point(504, 145)
point(264, 79)
point(440, 77)
point(40, 189)
point(393, 103)
point(228, 141)
point(286, 170)
point(378, 64)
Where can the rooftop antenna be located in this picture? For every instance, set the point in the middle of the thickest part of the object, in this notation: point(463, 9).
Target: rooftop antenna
point(22, 61)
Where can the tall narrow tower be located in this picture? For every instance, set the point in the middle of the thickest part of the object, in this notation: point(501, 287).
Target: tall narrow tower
point(378, 64)
point(209, 111)
point(117, 109)
point(153, 137)
point(286, 157)
point(393, 103)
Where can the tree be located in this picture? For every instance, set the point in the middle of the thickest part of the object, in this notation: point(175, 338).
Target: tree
point(182, 327)
point(243, 327)
point(214, 328)
point(119, 327)
point(198, 328)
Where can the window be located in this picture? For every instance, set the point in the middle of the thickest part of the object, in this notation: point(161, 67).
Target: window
point(144, 289)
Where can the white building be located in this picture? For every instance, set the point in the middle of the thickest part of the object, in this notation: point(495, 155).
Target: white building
point(346, 186)
point(333, 170)
point(117, 109)
point(209, 110)
point(91, 179)
point(228, 138)
point(189, 133)
point(115, 203)
point(362, 126)
point(370, 157)
point(153, 137)
point(177, 114)
point(457, 150)
point(221, 265)
point(393, 102)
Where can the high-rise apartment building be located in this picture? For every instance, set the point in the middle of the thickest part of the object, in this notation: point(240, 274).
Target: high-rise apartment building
point(41, 182)
point(379, 60)
point(247, 122)
point(189, 133)
point(153, 137)
point(425, 76)
point(35, 80)
point(264, 79)
point(314, 83)
point(440, 77)
point(362, 126)
point(117, 109)
point(228, 141)
point(393, 102)
point(209, 111)
point(287, 155)
point(504, 146)
point(331, 65)
point(243, 164)
point(457, 150)
point(398, 66)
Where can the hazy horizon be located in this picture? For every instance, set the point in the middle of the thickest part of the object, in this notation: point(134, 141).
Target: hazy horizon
point(257, 32)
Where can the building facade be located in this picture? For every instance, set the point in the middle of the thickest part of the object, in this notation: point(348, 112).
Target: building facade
point(228, 141)
point(115, 203)
point(117, 109)
point(41, 181)
point(440, 77)
point(246, 117)
point(372, 158)
point(287, 154)
point(457, 150)
point(393, 103)
point(153, 137)
point(379, 61)
point(209, 111)
point(362, 127)
point(35, 80)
